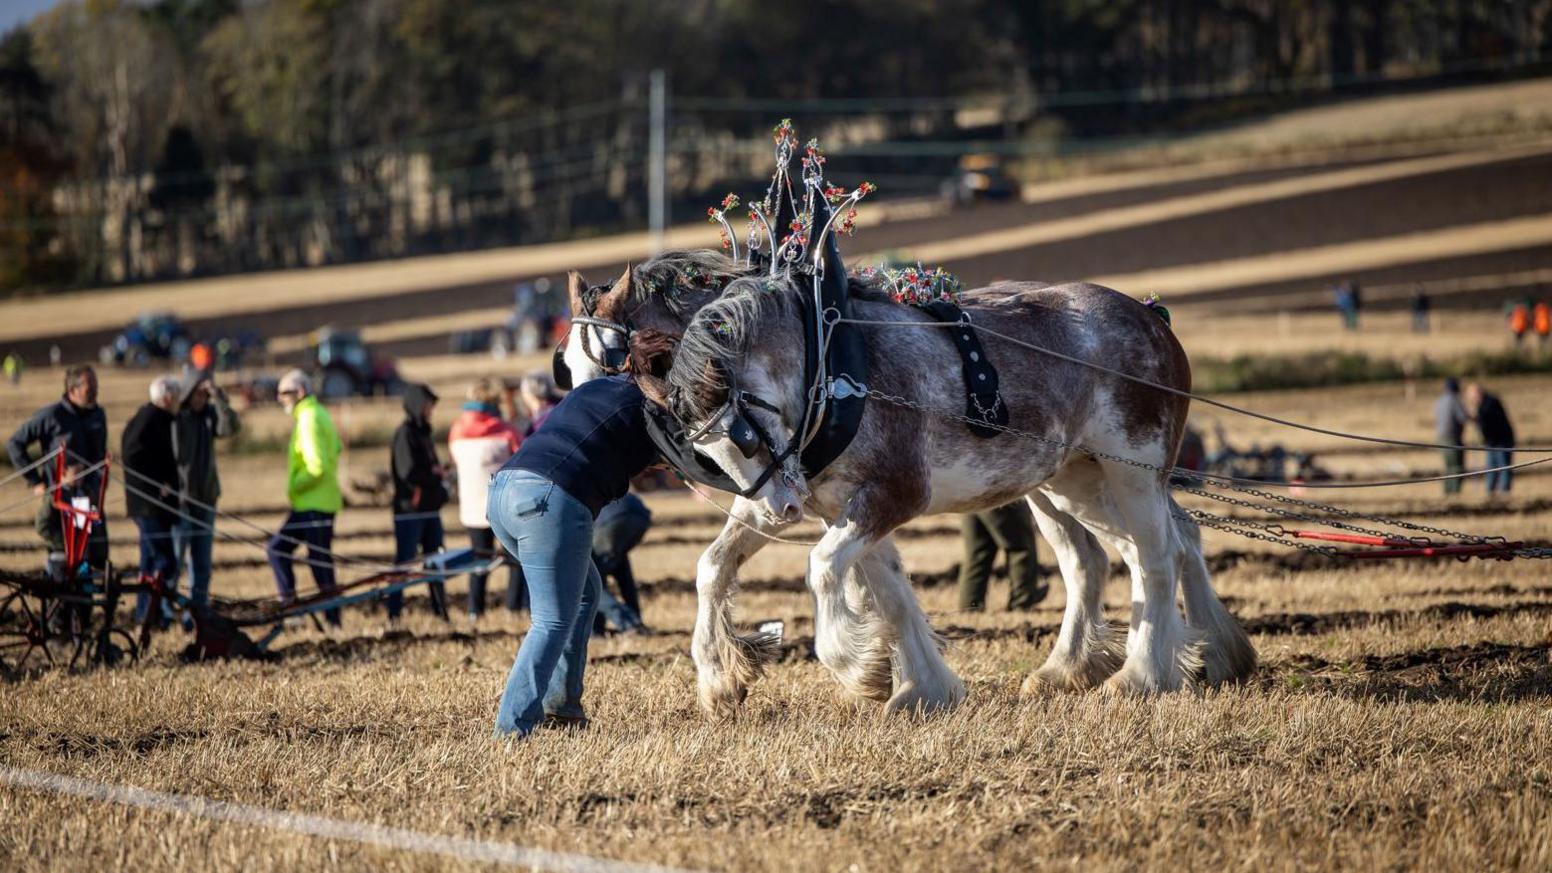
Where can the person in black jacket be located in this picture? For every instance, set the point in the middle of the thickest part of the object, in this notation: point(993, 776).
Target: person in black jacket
point(151, 487)
point(418, 493)
point(204, 415)
point(1497, 434)
point(76, 424)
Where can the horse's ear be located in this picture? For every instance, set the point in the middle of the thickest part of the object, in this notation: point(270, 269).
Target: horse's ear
point(653, 388)
point(575, 285)
point(618, 294)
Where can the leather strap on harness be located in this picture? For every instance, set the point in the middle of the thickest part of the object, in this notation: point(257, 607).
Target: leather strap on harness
point(983, 402)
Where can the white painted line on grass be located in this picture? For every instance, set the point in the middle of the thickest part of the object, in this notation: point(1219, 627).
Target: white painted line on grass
point(321, 826)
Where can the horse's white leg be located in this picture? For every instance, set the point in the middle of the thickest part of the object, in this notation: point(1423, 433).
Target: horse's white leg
point(1228, 655)
point(852, 643)
point(924, 681)
point(1087, 651)
point(1162, 653)
point(726, 663)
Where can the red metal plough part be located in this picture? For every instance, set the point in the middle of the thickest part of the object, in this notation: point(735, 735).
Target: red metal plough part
point(1415, 547)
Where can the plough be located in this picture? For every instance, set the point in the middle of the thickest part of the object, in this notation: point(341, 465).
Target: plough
point(69, 613)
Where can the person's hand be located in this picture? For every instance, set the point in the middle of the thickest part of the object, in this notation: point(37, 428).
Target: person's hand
point(415, 498)
point(40, 489)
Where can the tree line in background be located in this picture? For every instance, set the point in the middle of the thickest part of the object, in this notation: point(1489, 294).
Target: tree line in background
point(187, 137)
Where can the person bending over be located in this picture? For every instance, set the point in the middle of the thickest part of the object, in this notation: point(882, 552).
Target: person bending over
point(542, 506)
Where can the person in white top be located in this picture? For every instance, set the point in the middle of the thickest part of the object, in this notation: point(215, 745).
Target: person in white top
point(480, 442)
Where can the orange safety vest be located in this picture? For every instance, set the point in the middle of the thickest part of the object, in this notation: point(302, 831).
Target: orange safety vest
point(1543, 318)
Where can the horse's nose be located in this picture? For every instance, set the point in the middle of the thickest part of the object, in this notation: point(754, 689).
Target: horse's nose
point(791, 512)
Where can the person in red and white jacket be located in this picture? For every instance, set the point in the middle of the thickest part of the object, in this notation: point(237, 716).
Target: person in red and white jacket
point(480, 442)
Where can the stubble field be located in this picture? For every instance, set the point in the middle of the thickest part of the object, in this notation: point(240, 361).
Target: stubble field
point(1400, 716)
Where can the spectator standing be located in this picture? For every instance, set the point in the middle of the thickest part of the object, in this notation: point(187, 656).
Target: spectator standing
point(1011, 529)
point(1343, 297)
point(1420, 306)
point(204, 415)
point(76, 424)
point(1449, 417)
point(1541, 323)
point(151, 489)
point(14, 366)
point(312, 490)
point(480, 442)
point(418, 494)
point(619, 528)
point(1519, 315)
point(1497, 434)
point(538, 396)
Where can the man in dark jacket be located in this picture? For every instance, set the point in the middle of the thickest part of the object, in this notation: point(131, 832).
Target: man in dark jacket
point(75, 424)
point(203, 416)
point(151, 487)
point(1497, 434)
point(418, 493)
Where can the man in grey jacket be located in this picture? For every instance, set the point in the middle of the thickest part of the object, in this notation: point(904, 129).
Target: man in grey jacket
point(204, 414)
point(1449, 417)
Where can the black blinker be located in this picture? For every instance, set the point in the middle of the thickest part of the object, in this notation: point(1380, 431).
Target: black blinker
point(744, 436)
point(561, 371)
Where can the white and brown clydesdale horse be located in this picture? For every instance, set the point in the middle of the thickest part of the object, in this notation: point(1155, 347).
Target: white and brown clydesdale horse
point(869, 629)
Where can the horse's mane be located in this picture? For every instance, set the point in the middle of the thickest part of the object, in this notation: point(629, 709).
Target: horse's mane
point(672, 274)
point(721, 332)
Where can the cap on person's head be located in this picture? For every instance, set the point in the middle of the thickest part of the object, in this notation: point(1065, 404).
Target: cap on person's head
point(295, 381)
point(1451, 384)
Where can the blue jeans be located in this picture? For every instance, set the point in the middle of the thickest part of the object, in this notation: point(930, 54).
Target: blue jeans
point(418, 534)
point(156, 557)
point(1502, 480)
point(316, 530)
point(550, 533)
point(192, 539)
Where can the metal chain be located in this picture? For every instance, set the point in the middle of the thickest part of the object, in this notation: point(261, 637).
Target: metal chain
point(1266, 532)
point(1258, 531)
point(1296, 516)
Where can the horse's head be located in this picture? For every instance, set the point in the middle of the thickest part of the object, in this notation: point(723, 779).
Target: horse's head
point(598, 342)
point(736, 387)
point(662, 294)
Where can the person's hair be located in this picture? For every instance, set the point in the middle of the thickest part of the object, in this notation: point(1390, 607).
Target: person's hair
point(541, 385)
point(486, 390)
point(164, 388)
point(297, 380)
point(76, 373)
point(651, 353)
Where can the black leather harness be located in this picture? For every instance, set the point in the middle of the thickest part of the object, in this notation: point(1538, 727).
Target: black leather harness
point(983, 400)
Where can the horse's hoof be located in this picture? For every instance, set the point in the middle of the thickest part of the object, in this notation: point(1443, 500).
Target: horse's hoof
point(722, 698)
point(1132, 683)
point(915, 700)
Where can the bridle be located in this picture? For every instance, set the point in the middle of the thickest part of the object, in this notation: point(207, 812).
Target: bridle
point(612, 360)
point(747, 434)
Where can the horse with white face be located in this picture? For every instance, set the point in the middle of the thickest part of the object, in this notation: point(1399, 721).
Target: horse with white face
point(736, 369)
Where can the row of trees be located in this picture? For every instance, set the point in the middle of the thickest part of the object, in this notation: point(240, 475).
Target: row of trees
point(177, 137)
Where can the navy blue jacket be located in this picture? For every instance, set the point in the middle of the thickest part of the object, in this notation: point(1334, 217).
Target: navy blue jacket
point(593, 443)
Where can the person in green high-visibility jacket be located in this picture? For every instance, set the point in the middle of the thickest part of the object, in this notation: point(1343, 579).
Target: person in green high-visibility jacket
point(312, 490)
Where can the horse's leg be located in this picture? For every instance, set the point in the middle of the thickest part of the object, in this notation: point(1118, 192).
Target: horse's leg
point(1087, 651)
point(852, 643)
point(1228, 656)
point(726, 663)
point(1162, 653)
point(924, 681)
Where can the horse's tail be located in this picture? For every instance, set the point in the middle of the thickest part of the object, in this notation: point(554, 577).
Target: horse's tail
point(1229, 656)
